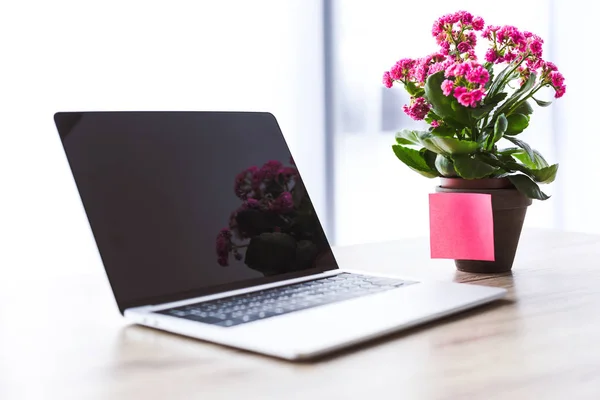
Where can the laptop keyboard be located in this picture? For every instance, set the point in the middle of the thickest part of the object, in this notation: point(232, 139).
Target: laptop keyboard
point(248, 307)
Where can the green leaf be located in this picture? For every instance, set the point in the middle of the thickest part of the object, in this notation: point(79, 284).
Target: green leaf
point(528, 187)
point(469, 167)
point(495, 99)
point(497, 84)
point(528, 83)
point(480, 111)
point(500, 127)
point(443, 130)
point(448, 145)
point(516, 96)
point(521, 155)
point(450, 121)
point(517, 124)
point(490, 68)
point(545, 175)
point(414, 90)
point(415, 160)
point(409, 137)
point(510, 150)
point(524, 146)
point(429, 157)
point(484, 137)
point(542, 175)
point(446, 107)
point(542, 103)
point(445, 166)
point(431, 116)
point(524, 108)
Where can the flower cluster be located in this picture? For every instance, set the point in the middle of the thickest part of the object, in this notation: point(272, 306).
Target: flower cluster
point(551, 76)
point(415, 72)
point(467, 79)
point(265, 191)
point(418, 108)
point(510, 44)
point(454, 34)
point(251, 183)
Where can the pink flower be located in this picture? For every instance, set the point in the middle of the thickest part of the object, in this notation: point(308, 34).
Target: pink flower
point(465, 99)
point(439, 66)
point(243, 183)
point(560, 91)
point(252, 204)
point(454, 28)
point(427, 66)
point(287, 173)
point(471, 70)
point(550, 66)
point(533, 64)
point(468, 98)
point(509, 56)
point(459, 90)
point(423, 66)
point(535, 46)
point(491, 55)
point(478, 75)
point(463, 47)
point(418, 109)
point(269, 170)
point(435, 124)
point(387, 79)
point(465, 18)
point(447, 87)
point(401, 70)
point(453, 70)
point(471, 38)
point(511, 35)
point(477, 95)
point(445, 48)
point(478, 23)
point(488, 32)
point(284, 203)
point(557, 79)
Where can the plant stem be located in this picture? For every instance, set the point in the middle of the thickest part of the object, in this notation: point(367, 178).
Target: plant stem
point(518, 103)
point(507, 76)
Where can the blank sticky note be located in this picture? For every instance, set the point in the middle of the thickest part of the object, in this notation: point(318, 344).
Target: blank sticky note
point(461, 226)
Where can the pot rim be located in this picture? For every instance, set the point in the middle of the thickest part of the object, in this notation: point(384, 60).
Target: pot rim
point(485, 183)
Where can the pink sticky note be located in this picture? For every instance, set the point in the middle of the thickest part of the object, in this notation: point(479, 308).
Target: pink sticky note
point(461, 226)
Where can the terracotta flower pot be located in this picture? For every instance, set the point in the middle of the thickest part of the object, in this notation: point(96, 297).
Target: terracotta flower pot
point(509, 207)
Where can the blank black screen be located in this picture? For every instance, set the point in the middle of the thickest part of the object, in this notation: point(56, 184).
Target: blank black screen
point(184, 203)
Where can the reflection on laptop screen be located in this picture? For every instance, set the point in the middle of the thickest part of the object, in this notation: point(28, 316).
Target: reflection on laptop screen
point(181, 202)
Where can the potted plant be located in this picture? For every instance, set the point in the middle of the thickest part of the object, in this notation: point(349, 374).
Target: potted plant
point(474, 112)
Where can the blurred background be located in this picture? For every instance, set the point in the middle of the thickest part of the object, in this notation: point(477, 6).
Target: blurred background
point(315, 64)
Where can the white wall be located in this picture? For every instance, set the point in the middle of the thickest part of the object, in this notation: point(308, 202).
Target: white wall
point(576, 116)
point(139, 55)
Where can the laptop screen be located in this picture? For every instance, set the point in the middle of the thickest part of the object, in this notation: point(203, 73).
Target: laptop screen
point(190, 203)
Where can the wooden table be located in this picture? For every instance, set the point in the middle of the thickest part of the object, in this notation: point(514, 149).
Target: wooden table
point(543, 342)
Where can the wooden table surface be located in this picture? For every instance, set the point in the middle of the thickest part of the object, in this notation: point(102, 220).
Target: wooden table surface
point(62, 338)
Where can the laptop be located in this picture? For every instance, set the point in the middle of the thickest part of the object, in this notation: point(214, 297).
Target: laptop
point(206, 229)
